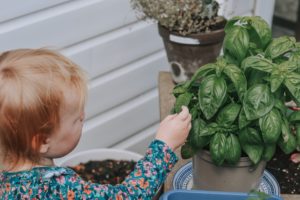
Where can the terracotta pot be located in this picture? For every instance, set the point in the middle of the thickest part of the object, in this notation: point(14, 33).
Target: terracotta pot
point(187, 53)
point(242, 177)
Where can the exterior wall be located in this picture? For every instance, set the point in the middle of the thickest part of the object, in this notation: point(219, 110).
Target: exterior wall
point(263, 8)
point(121, 55)
point(286, 9)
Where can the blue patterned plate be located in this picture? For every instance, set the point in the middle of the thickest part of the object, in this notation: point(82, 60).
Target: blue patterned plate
point(183, 180)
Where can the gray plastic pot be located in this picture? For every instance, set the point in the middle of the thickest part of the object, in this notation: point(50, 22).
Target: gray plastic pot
point(242, 177)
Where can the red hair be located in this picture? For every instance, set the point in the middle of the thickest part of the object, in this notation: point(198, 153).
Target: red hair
point(32, 83)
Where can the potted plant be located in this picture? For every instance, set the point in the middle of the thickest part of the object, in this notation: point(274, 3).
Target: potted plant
point(238, 109)
point(191, 30)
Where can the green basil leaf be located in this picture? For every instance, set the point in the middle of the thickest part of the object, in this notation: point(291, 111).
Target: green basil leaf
point(252, 144)
point(280, 46)
point(211, 94)
point(230, 23)
point(208, 130)
point(276, 80)
point(280, 106)
point(255, 77)
point(201, 141)
point(182, 100)
point(258, 101)
point(254, 48)
point(292, 82)
point(233, 149)
point(221, 64)
point(228, 114)
point(238, 79)
point(179, 89)
point(218, 148)
point(294, 117)
point(262, 30)
point(230, 59)
point(269, 152)
point(270, 126)
point(194, 111)
point(258, 63)
point(250, 136)
point(287, 141)
point(198, 141)
point(288, 66)
point(202, 71)
point(254, 152)
point(236, 42)
point(186, 151)
point(295, 57)
point(243, 121)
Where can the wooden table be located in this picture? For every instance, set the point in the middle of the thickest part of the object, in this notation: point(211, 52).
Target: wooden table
point(166, 100)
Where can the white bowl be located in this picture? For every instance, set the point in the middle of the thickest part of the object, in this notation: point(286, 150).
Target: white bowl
point(97, 155)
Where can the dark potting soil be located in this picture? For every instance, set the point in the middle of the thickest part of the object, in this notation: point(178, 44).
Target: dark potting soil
point(105, 172)
point(286, 172)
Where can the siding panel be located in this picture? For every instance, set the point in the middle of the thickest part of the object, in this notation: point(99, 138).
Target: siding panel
point(65, 25)
point(139, 142)
point(120, 123)
point(124, 84)
point(17, 8)
point(111, 51)
point(231, 8)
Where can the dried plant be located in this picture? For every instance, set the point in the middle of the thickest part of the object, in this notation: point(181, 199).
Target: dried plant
point(181, 16)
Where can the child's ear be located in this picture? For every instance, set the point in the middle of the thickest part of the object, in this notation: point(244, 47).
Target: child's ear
point(45, 146)
point(40, 142)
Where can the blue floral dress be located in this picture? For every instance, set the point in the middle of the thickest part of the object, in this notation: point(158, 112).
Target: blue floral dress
point(63, 183)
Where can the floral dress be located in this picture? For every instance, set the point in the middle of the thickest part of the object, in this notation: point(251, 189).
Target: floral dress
point(63, 183)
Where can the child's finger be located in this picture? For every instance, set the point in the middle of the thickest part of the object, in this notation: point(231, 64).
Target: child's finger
point(189, 118)
point(170, 117)
point(187, 121)
point(184, 113)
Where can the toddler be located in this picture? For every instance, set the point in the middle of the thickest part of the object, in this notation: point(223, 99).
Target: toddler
point(42, 97)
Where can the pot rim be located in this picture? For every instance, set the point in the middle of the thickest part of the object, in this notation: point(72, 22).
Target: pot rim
point(97, 154)
point(212, 37)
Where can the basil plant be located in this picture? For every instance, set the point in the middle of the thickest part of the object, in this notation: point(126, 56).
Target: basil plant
point(238, 102)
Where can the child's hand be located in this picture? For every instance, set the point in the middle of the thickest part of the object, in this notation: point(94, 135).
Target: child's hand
point(174, 129)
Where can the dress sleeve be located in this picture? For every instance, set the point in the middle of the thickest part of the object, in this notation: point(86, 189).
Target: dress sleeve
point(142, 183)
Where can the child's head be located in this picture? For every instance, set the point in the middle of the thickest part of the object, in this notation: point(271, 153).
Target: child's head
point(42, 96)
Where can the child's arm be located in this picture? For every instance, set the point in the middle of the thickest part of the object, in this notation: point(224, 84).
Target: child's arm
point(150, 172)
